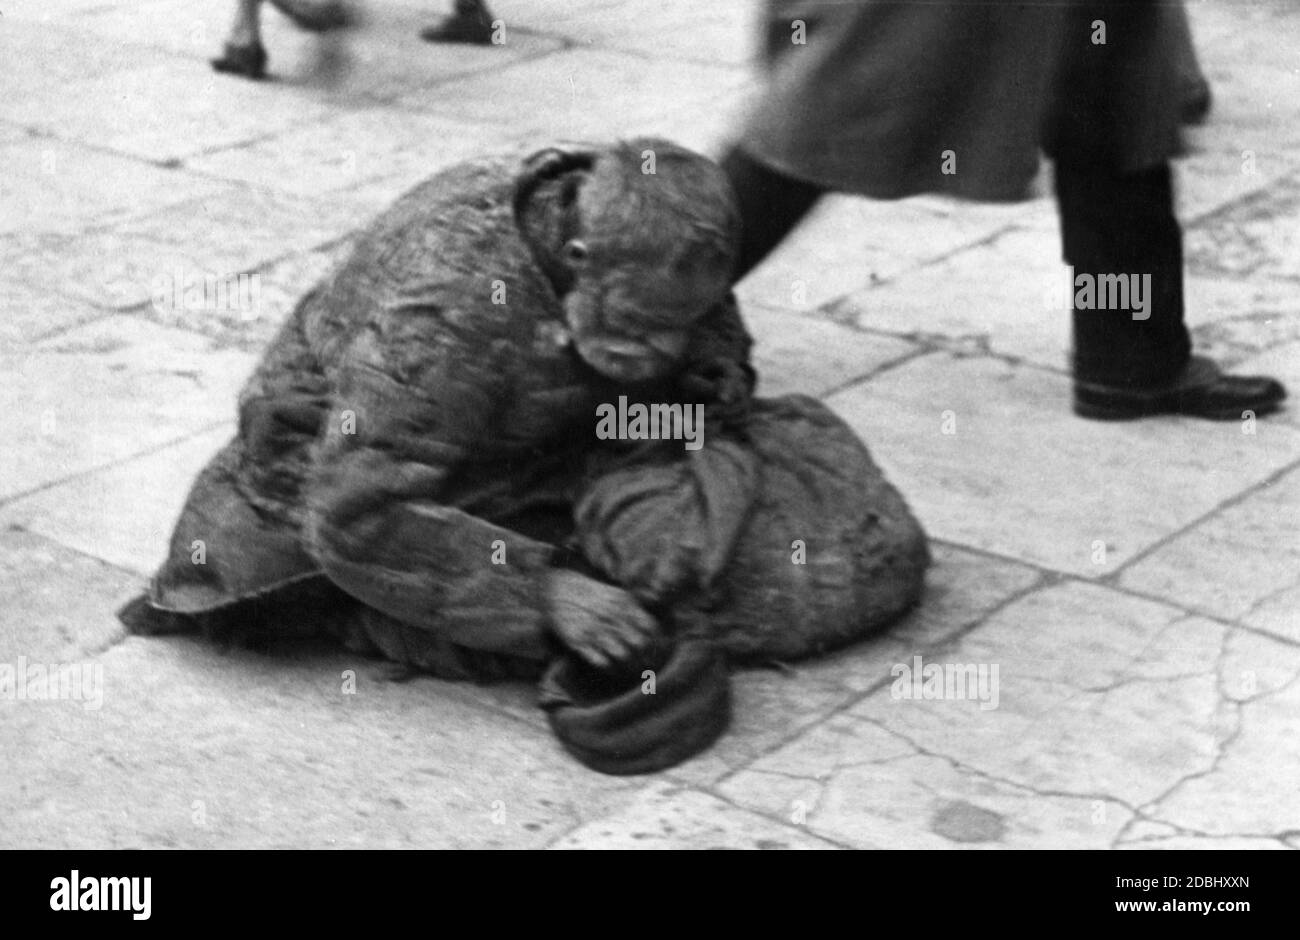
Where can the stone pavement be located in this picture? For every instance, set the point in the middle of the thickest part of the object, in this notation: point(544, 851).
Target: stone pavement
point(1136, 586)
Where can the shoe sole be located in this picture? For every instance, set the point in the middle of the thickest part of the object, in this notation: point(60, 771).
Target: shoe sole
point(1098, 412)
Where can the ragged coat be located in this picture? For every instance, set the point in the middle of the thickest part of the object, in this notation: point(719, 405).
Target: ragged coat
point(422, 410)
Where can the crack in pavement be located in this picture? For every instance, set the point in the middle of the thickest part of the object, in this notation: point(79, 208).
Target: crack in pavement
point(972, 771)
point(1225, 702)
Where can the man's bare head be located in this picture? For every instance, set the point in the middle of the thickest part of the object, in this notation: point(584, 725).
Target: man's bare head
point(649, 251)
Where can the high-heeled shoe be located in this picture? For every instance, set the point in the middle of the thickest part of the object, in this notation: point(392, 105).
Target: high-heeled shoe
point(248, 61)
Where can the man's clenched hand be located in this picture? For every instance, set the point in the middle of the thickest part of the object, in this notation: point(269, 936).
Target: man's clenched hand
point(601, 623)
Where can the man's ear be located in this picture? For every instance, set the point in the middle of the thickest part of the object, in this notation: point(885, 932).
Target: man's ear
point(550, 164)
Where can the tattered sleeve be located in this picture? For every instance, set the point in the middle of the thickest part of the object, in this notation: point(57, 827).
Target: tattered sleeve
point(418, 395)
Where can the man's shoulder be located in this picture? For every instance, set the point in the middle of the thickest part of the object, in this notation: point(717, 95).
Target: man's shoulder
point(481, 183)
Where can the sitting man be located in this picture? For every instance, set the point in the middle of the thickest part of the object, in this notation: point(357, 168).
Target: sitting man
point(420, 455)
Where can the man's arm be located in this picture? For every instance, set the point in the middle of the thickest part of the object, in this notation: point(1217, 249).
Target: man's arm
point(416, 407)
point(718, 373)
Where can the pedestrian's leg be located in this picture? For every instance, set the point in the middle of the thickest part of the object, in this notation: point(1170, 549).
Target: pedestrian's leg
point(1132, 351)
point(1193, 86)
point(771, 205)
point(243, 53)
point(1124, 225)
point(247, 28)
point(470, 22)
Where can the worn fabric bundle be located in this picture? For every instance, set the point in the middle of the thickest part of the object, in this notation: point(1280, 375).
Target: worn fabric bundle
point(402, 431)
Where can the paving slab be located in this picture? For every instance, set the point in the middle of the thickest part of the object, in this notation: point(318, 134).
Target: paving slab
point(48, 11)
point(120, 111)
point(298, 762)
point(1256, 236)
point(56, 187)
point(1224, 165)
point(994, 297)
point(65, 55)
point(725, 31)
point(54, 600)
point(798, 353)
point(123, 514)
point(107, 390)
point(190, 30)
point(359, 149)
point(853, 781)
point(1251, 789)
point(1253, 82)
point(773, 706)
point(711, 130)
point(1242, 563)
point(1119, 700)
point(1235, 321)
point(770, 707)
point(1251, 135)
point(955, 304)
point(996, 482)
point(1282, 362)
point(582, 94)
point(560, 20)
point(182, 246)
point(1097, 722)
point(664, 816)
point(28, 314)
point(847, 244)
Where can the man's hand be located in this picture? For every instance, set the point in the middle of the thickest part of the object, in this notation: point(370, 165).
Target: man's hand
point(603, 624)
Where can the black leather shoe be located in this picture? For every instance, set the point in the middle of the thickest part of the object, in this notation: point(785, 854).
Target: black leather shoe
point(248, 61)
point(1202, 391)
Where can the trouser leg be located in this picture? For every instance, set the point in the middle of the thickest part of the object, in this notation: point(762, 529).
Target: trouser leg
point(246, 29)
point(771, 205)
point(1194, 89)
point(1124, 224)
